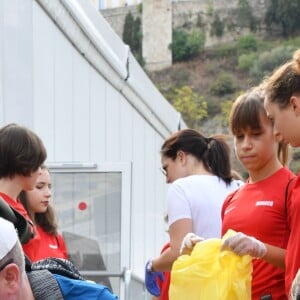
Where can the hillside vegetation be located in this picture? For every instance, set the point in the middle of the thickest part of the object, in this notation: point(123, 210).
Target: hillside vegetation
point(204, 88)
point(203, 83)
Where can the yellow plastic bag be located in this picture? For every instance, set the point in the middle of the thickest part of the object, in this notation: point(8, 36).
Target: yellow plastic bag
point(211, 274)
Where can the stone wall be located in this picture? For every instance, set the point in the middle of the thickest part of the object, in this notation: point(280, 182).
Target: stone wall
point(116, 17)
point(157, 34)
point(186, 15)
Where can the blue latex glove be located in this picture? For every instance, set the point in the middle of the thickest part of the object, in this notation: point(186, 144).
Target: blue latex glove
point(150, 281)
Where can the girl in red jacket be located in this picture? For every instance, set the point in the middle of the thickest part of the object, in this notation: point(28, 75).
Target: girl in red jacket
point(282, 104)
point(47, 241)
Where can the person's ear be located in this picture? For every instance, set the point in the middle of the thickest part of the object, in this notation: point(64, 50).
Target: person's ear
point(295, 103)
point(12, 278)
point(182, 156)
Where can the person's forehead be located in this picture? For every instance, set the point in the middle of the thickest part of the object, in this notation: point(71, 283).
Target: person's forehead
point(165, 160)
point(269, 107)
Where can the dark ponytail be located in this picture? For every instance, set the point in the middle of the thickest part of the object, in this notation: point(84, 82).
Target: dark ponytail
point(218, 158)
point(213, 151)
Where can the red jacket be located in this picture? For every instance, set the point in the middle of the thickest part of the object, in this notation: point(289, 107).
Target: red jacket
point(45, 245)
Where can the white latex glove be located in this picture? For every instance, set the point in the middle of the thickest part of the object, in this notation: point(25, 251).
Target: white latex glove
point(242, 244)
point(188, 243)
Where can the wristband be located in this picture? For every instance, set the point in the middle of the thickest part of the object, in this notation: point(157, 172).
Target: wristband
point(150, 266)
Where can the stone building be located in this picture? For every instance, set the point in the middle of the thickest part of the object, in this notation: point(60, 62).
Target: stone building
point(161, 17)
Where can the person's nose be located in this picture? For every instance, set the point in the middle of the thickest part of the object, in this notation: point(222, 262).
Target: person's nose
point(48, 193)
point(277, 133)
point(247, 143)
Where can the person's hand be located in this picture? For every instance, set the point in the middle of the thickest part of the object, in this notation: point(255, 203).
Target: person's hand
point(242, 244)
point(150, 279)
point(188, 243)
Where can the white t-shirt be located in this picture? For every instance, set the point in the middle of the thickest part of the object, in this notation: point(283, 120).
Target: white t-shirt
point(200, 198)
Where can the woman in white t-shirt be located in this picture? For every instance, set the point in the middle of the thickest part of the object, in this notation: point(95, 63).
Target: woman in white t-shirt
point(199, 172)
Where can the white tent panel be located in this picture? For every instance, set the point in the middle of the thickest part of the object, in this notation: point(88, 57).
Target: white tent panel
point(66, 74)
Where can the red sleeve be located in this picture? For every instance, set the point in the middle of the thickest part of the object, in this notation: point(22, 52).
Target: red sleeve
point(288, 196)
point(165, 247)
point(292, 258)
point(225, 203)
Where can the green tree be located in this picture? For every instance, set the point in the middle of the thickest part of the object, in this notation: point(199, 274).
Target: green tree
point(191, 105)
point(128, 29)
point(217, 26)
point(245, 15)
point(247, 43)
point(185, 45)
point(178, 45)
point(267, 61)
point(286, 13)
point(132, 36)
point(137, 36)
point(225, 112)
point(224, 84)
